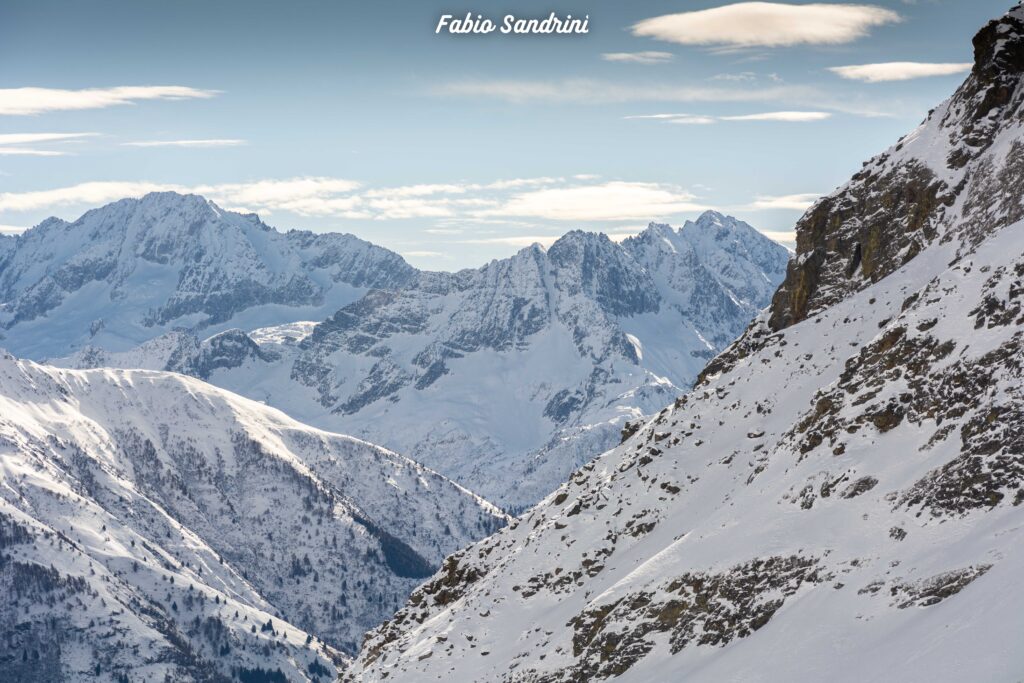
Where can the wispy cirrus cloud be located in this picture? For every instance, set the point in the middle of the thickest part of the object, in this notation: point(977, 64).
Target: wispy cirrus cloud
point(604, 92)
point(601, 92)
point(29, 152)
point(212, 142)
point(767, 24)
point(646, 57)
point(12, 144)
point(33, 138)
point(698, 119)
point(898, 71)
point(784, 116)
point(688, 119)
point(28, 101)
point(693, 120)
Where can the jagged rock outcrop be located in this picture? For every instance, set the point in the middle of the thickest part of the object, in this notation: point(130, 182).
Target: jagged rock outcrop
point(921, 189)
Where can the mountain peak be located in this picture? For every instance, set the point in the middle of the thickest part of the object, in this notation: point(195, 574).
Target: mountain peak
point(659, 230)
point(577, 245)
point(713, 217)
point(168, 259)
point(999, 46)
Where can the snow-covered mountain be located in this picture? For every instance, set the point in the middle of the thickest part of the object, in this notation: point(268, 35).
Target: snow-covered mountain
point(132, 270)
point(152, 525)
point(839, 497)
point(508, 377)
point(7, 243)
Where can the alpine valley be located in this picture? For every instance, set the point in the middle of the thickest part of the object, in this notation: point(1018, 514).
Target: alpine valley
point(730, 464)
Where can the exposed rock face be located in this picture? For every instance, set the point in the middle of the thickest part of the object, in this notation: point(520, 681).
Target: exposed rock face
point(152, 525)
point(534, 361)
point(842, 484)
point(951, 178)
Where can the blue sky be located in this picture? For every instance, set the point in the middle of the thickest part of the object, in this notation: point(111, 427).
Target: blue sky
point(452, 150)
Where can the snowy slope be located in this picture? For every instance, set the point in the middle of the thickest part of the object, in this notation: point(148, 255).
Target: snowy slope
point(840, 495)
point(508, 377)
point(132, 270)
point(150, 520)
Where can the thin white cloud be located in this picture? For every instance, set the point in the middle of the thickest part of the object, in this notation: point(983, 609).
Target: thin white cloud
point(11, 143)
point(786, 116)
point(311, 196)
point(421, 190)
point(742, 77)
point(699, 119)
point(11, 229)
point(27, 101)
point(611, 201)
point(655, 116)
point(794, 202)
point(898, 71)
point(512, 183)
point(33, 138)
point(29, 152)
point(693, 120)
point(595, 92)
point(214, 142)
point(646, 57)
point(767, 24)
point(601, 92)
